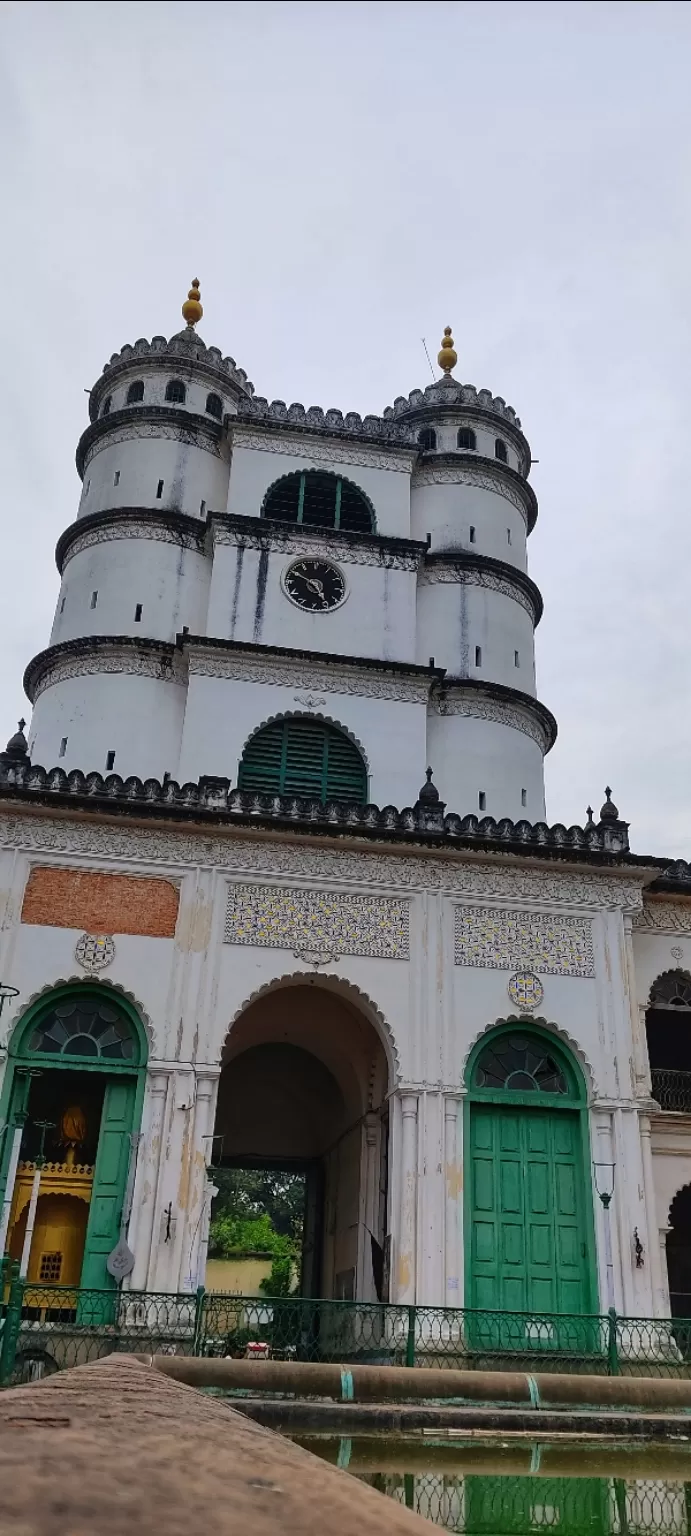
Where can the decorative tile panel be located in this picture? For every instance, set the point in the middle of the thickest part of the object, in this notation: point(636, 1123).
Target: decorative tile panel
point(314, 921)
point(507, 941)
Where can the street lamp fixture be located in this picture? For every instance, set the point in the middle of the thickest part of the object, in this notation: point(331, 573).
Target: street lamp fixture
point(603, 1174)
point(7, 992)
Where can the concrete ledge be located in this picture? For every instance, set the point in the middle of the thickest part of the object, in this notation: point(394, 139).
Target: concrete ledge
point(115, 1449)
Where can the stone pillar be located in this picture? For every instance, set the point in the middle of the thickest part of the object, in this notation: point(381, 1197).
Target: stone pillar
point(651, 1240)
point(369, 1214)
point(405, 1277)
point(453, 1215)
point(663, 1234)
point(192, 1260)
point(141, 1236)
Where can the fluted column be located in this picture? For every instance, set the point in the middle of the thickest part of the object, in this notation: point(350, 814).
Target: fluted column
point(453, 1182)
point(405, 1275)
point(141, 1229)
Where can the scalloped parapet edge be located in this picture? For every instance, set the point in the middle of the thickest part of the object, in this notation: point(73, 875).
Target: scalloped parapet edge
point(448, 392)
point(181, 345)
point(332, 421)
point(212, 795)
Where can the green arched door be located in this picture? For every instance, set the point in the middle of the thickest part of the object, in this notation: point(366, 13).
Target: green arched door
point(529, 1219)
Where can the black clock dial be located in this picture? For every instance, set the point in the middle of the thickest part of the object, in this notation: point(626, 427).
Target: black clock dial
point(315, 585)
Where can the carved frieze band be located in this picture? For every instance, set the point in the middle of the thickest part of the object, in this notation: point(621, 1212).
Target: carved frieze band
point(195, 436)
point(507, 941)
point(488, 709)
point(448, 474)
point(476, 576)
point(663, 917)
point(333, 548)
point(129, 529)
point(313, 451)
point(182, 850)
point(133, 663)
point(318, 921)
point(333, 679)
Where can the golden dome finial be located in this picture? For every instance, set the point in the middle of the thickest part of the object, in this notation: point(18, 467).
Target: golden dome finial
point(192, 309)
point(447, 358)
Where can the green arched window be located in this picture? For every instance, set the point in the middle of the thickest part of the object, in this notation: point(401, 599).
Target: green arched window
point(303, 757)
point(318, 499)
point(90, 1026)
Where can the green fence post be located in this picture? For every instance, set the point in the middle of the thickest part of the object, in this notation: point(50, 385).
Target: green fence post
point(410, 1341)
point(10, 1332)
point(199, 1321)
point(612, 1354)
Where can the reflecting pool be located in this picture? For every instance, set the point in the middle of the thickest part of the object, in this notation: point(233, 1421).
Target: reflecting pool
point(517, 1487)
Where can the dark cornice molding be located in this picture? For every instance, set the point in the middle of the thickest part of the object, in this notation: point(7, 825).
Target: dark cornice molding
point(322, 658)
point(189, 421)
point(500, 693)
point(269, 531)
point(88, 645)
point(465, 560)
point(177, 522)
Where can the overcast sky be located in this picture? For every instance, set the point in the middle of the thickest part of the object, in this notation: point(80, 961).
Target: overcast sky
point(345, 179)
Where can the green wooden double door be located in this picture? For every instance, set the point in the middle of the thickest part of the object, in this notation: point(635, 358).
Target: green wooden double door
point(529, 1216)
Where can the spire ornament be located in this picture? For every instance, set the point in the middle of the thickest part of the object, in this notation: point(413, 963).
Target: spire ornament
point(192, 308)
point(447, 357)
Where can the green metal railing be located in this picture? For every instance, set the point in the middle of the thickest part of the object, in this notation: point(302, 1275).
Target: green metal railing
point(49, 1327)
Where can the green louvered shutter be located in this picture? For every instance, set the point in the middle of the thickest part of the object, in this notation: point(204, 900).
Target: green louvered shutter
point(303, 757)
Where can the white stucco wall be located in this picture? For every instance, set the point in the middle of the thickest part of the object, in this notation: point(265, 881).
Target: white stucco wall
point(469, 754)
point(190, 474)
point(170, 582)
point(448, 511)
point(454, 618)
point(247, 602)
point(139, 718)
point(254, 470)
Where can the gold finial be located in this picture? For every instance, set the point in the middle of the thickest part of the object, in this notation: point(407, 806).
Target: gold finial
point(192, 310)
point(447, 358)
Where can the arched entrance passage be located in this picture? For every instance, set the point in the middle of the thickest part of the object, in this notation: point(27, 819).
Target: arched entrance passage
point(71, 1099)
point(303, 1086)
point(679, 1253)
point(529, 1218)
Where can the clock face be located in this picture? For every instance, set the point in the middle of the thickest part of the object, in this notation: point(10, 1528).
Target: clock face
point(315, 585)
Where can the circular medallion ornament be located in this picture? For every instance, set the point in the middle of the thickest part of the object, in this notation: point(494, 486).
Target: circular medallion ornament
point(94, 951)
point(315, 585)
point(526, 990)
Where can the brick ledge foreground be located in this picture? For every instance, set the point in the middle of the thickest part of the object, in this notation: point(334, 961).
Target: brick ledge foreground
point(98, 1449)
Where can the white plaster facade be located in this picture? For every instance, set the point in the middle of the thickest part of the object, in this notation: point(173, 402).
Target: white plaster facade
point(430, 658)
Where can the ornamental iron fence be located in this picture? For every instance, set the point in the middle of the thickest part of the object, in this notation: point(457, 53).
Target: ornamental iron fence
point(44, 1328)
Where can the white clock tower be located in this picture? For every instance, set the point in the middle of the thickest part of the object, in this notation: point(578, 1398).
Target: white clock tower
point(296, 601)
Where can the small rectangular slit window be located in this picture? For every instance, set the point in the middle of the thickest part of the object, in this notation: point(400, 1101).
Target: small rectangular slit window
point(524, 797)
point(472, 534)
point(116, 477)
point(86, 490)
point(508, 535)
point(478, 655)
point(138, 614)
point(63, 747)
point(62, 605)
point(482, 800)
point(159, 492)
point(110, 761)
point(94, 599)
point(516, 659)
point(202, 508)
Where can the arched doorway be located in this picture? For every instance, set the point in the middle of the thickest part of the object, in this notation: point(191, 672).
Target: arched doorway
point(71, 1103)
point(679, 1253)
point(529, 1217)
point(303, 1088)
point(667, 1022)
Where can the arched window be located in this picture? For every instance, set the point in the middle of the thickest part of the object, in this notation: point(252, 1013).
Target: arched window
point(667, 1022)
point(318, 499)
point(427, 439)
point(214, 406)
point(303, 757)
point(105, 408)
point(135, 392)
point(176, 392)
point(85, 1025)
point(500, 451)
point(518, 1063)
point(466, 438)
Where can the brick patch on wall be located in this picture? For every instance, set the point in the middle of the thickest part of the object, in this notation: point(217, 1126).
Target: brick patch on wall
point(97, 903)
